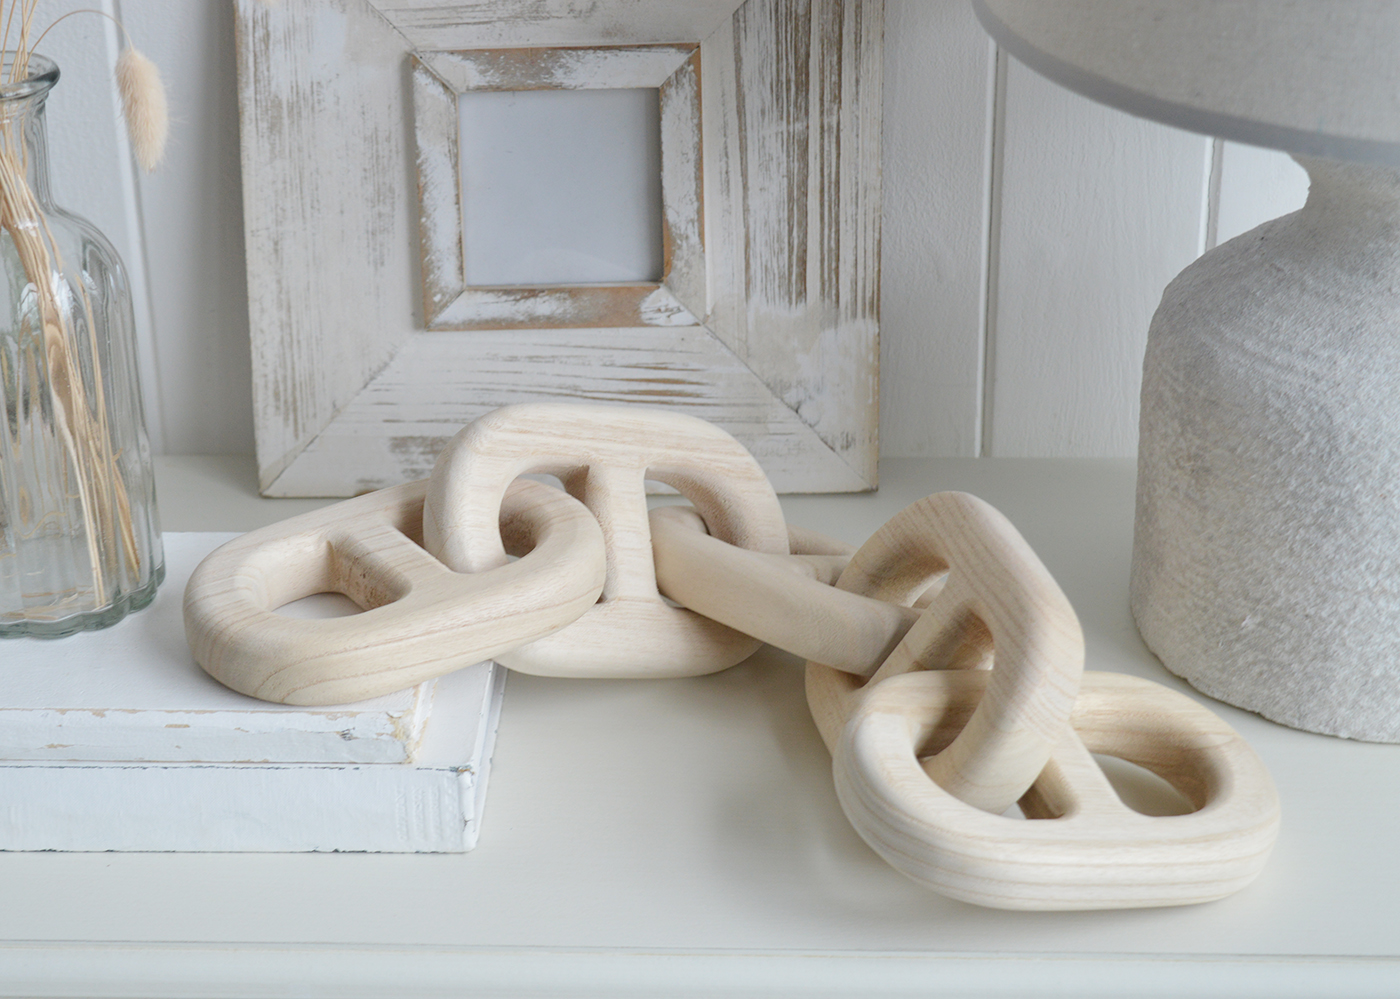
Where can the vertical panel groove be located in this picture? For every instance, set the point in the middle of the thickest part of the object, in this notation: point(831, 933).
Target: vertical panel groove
point(1215, 170)
point(138, 271)
point(1099, 212)
point(996, 134)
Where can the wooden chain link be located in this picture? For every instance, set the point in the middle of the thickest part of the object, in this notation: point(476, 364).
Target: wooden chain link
point(945, 666)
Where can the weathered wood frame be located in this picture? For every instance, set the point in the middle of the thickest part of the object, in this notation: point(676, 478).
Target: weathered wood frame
point(448, 301)
point(353, 386)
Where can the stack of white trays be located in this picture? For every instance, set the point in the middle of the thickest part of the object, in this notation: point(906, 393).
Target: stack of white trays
point(117, 740)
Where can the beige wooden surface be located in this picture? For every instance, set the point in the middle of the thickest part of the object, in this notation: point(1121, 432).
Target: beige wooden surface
point(1093, 852)
point(995, 604)
point(420, 619)
point(603, 456)
point(916, 746)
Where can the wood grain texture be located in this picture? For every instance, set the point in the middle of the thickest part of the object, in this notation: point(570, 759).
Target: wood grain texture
point(329, 225)
point(1094, 852)
point(996, 606)
point(420, 619)
point(587, 68)
point(603, 455)
point(792, 183)
point(780, 348)
point(787, 601)
point(134, 695)
point(187, 222)
point(485, 24)
point(397, 424)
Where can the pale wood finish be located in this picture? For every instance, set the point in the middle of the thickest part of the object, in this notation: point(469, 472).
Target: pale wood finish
point(788, 601)
point(603, 455)
point(997, 605)
point(353, 393)
point(970, 702)
point(449, 303)
point(420, 620)
point(892, 739)
point(1080, 847)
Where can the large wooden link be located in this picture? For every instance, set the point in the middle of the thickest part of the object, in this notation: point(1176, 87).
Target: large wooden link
point(996, 605)
point(944, 664)
point(604, 455)
point(420, 618)
point(1083, 848)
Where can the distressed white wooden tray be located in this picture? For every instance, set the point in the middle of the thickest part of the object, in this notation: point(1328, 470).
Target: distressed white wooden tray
point(116, 740)
point(134, 693)
point(431, 806)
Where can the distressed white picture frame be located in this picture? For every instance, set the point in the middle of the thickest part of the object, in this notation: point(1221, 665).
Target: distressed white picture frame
point(766, 320)
point(449, 303)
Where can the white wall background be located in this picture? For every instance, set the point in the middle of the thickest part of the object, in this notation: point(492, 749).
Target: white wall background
point(1028, 232)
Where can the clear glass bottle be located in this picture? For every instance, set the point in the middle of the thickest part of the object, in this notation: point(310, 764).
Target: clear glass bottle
point(80, 543)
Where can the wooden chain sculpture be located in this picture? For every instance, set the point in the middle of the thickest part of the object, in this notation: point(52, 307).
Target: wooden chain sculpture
point(945, 666)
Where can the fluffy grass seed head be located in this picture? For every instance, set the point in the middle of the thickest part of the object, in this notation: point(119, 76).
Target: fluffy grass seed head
point(144, 106)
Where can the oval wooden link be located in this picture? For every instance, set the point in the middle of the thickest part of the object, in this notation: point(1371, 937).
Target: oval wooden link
point(1080, 847)
point(603, 455)
point(998, 605)
point(787, 601)
point(421, 619)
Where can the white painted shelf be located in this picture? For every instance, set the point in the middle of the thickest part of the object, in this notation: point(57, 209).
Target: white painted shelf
point(682, 838)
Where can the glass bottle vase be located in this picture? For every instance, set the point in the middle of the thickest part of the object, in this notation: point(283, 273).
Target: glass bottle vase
point(80, 543)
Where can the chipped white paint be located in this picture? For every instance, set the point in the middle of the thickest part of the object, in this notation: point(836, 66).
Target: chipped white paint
point(134, 693)
point(350, 389)
point(661, 308)
point(557, 69)
point(436, 385)
point(938, 121)
point(792, 182)
point(485, 24)
point(682, 203)
point(431, 806)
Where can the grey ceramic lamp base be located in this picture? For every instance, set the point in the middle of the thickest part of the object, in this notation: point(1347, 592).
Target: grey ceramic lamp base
point(1266, 558)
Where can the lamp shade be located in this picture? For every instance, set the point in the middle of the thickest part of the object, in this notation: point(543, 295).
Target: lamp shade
point(1312, 77)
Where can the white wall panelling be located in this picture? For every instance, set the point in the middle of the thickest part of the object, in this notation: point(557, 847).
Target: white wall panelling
point(1099, 210)
point(1085, 214)
point(91, 165)
point(193, 223)
point(937, 153)
point(1256, 185)
point(1093, 213)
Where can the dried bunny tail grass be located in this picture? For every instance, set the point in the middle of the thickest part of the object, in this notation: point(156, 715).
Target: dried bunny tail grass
point(138, 81)
point(144, 105)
